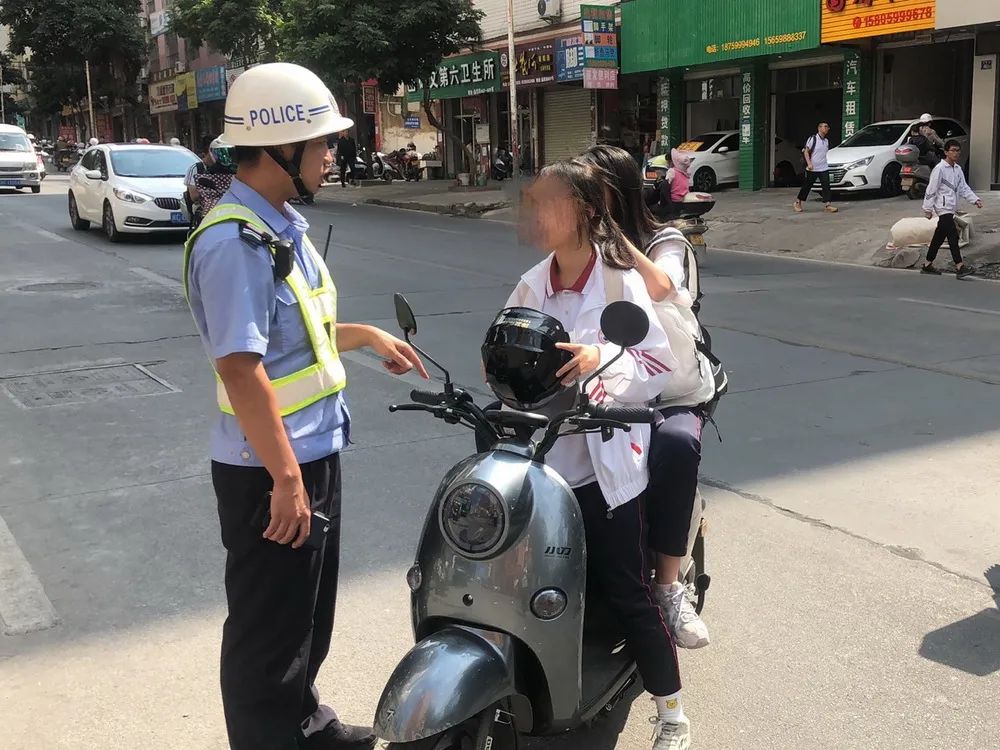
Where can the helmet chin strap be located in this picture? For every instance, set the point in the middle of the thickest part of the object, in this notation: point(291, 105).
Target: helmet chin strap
point(292, 168)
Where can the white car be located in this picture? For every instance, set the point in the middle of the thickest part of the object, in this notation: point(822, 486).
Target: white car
point(716, 161)
point(130, 188)
point(19, 164)
point(867, 159)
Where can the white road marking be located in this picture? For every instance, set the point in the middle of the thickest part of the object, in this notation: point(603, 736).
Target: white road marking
point(24, 607)
point(436, 229)
point(961, 308)
point(49, 235)
point(158, 278)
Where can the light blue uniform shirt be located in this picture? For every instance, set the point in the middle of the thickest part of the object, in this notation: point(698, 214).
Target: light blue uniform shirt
point(238, 307)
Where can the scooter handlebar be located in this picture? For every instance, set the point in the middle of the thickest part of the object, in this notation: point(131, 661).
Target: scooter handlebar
point(428, 398)
point(627, 414)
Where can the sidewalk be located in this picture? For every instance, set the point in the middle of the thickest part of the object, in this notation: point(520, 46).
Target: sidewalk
point(435, 196)
point(764, 222)
point(761, 222)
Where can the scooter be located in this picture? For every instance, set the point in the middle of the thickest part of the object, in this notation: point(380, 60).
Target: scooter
point(508, 640)
point(914, 175)
point(503, 165)
point(690, 221)
point(384, 167)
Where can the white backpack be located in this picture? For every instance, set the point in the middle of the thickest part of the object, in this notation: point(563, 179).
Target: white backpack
point(699, 379)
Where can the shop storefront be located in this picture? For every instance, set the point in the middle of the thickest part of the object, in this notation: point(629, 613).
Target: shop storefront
point(210, 87)
point(982, 18)
point(534, 71)
point(728, 71)
point(463, 85)
point(163, 108)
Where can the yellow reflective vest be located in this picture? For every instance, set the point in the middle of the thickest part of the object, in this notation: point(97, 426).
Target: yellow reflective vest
point(319, 314)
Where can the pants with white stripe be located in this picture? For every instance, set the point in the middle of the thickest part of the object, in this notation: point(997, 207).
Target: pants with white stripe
point(618, 572)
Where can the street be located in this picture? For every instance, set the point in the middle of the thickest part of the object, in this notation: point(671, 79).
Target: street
point(852, 501)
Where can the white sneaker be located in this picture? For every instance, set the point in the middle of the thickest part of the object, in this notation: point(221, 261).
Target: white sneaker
point(688, 629)
point(670, 736)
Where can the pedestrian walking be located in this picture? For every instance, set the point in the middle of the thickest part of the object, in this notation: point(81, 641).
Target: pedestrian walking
point(946, 185)
point(265, 306)
point(347, 154)
point(815, 151)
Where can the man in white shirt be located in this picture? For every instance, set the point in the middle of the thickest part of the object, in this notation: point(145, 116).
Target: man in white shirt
point(817, 168)
point(947, 183)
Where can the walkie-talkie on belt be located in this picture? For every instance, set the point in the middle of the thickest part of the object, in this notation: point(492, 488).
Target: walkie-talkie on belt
point(281, 250)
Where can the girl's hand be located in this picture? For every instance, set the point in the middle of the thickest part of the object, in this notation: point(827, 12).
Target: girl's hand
point(586, 359)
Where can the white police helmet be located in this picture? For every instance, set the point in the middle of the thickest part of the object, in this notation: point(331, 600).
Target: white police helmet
point(93, 142)
point(280, 103)
point(175, 142)
point(925, 118)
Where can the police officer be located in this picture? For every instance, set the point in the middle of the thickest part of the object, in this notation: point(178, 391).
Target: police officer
point(266, 308)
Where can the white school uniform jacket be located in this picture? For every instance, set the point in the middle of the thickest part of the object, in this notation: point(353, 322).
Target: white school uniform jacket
point(635, 379)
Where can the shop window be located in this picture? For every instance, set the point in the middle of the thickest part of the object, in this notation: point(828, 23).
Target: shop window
point(708, 89)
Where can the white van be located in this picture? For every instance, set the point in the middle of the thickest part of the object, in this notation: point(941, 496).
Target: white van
point(18, 161)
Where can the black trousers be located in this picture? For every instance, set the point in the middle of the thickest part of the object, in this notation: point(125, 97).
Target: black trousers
point(946, 229)
point(618, 570)
point(810, 179)
point(345, 165)
point(674, 458)
point(281, 606)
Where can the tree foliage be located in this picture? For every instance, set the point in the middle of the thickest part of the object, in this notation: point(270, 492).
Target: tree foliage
point(396, 41)
point(63, 34)
point(247, 30)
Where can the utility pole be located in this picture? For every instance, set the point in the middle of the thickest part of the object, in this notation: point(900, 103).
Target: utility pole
point(3, 100)
point(90, 101)
point(515, 146)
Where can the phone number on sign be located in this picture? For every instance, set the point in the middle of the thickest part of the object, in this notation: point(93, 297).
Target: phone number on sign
point(798, 36)
point(769, 41)
point(898, 16)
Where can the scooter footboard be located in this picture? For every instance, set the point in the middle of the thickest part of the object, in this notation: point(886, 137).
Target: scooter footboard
point(447, 678)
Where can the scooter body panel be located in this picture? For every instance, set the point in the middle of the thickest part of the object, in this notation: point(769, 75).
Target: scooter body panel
point(543, 547)
point(447, 678)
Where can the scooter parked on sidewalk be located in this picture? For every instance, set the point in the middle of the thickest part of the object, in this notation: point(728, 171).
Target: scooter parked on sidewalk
point(385, 167)
point(914, 174)
point(509, 642)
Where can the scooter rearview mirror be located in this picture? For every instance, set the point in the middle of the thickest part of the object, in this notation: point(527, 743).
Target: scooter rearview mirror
point(404, 315)
point(624, 323)
point(408, 322)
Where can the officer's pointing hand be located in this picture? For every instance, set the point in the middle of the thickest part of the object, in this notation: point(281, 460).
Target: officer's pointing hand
point(399, 356)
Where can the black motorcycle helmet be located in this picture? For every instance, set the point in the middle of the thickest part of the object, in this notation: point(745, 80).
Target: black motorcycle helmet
point(521, 359)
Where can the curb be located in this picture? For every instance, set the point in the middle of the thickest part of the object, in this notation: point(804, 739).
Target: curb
point(473, 210)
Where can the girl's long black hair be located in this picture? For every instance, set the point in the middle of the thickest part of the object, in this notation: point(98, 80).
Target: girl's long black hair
point(595, 221)
point(625, 199)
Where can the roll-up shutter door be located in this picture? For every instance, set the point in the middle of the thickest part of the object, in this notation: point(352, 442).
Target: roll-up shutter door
point(566, 130)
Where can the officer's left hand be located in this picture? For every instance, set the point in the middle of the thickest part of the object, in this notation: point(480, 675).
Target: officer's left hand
point(399, 356)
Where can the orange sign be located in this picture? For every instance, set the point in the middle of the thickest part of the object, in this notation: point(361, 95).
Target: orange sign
point(854, 19)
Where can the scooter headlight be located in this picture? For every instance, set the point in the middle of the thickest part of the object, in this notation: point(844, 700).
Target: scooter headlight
point(473, 519)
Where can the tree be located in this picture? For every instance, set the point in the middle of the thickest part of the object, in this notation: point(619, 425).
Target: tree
point(64, 34)
point(395, 41)
point(247, 30)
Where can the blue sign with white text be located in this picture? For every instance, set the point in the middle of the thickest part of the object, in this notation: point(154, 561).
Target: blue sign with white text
point(210, 83)
point(569, 59)
point(413, 122)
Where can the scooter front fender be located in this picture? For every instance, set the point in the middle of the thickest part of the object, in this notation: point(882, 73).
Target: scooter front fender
point(447, 678)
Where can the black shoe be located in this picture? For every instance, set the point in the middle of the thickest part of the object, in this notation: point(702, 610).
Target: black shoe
point(340, 736)
point(928, 268)
point(965, 270)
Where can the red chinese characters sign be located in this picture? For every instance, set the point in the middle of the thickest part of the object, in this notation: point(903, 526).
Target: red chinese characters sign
point(855, 19)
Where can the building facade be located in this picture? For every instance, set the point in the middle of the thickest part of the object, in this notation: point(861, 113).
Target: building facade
point(185, 87)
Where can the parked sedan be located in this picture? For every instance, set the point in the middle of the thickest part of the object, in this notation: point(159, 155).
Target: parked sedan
point(130, 188)
point(716, 161)
point(867, 160)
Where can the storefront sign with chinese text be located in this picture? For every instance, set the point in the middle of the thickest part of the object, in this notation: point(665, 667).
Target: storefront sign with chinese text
point(369, 99)
point(210, 83)
point(852, 93)
point(746, 108)
point(600, 46)
point(159, 20)
point(534, 64)
point(854, 19)
point(186, 92)
point(465, 75)
point(162, 97)
point(569, 58)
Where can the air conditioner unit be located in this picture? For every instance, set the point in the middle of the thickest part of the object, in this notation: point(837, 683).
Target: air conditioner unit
point(180, 66)
point(550, 10)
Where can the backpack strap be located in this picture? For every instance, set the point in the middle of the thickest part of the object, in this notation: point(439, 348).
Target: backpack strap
point(614, 284)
